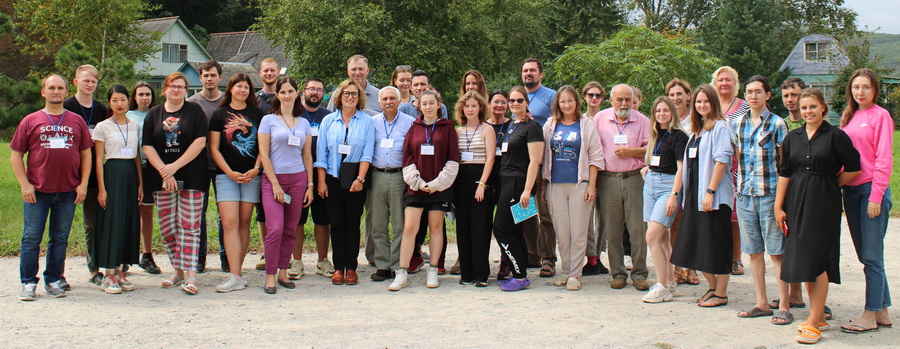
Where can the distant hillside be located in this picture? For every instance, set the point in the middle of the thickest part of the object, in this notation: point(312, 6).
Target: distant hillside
point(887, 46)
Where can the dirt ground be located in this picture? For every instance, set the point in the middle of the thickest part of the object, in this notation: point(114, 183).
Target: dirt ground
point(318, 314)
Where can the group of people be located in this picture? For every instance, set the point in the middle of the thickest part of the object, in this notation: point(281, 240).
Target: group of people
point(706, 177)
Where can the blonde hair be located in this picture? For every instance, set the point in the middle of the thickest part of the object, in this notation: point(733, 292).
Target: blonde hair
point(87, 68)
point(654, 125)
point(730, 71)
point(338, 94)
point(482, 107)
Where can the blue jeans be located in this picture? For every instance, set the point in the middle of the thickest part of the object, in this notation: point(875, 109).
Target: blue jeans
point(868, 239)
point(61, 209)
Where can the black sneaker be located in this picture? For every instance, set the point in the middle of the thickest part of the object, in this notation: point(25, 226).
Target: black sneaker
point(149, 265)
point(381, 275)
point(96, 279)
point(225, 266)
point(594, 269)
point(201, 263)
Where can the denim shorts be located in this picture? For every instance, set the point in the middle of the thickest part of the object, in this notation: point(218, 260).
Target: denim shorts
point(229, 190)
point(759, 232)
point(657, 189)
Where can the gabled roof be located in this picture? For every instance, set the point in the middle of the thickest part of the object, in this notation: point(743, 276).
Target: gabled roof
point(163, 24)
point(798, 64)
point(229, 69)
point(245, 47)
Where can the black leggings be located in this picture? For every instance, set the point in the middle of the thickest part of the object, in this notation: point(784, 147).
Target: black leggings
point(511, 236)
point(344, 210)
point(473, 224)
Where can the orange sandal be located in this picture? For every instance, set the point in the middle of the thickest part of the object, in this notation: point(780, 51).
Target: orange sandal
point(809, 335)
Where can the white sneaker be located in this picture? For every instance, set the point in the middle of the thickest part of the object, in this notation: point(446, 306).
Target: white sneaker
point(126, 285)
point(297, 269)
point(28, 294)
point(432, 279)
point(628, 263)
point(673, 289)
point(110, 285)
point(325, 268)
point(231, 284)
point(657, 294)
point(399, 280)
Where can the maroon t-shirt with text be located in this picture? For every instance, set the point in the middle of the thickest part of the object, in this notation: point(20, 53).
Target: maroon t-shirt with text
point(52, 170)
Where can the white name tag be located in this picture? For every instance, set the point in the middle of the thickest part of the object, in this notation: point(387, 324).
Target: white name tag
point(620, 139)
point(498, 152)
point(294, 140)
point(57, 143)
point(91, 130)
point(692, 153)
point(467, 156)
point(315, 131)
point(344, 149)
point(128, 152)
point(504, 147)
point(387, 143)
point(654, 160)
point(427, 149)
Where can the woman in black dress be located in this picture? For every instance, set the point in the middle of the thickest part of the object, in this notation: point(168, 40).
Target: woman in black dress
point(808, 205)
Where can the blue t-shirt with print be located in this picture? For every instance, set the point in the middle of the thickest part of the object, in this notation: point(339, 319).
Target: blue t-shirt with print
point(565, 146)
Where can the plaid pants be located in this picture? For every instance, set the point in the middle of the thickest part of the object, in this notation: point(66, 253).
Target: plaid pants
point(179, 225)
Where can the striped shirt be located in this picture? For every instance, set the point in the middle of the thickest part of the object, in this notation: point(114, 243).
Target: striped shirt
point(472, 141)
point(757, 149)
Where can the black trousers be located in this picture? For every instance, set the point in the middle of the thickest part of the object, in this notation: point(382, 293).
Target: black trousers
point(345, 211)
point(511, 236)
point(473, 223)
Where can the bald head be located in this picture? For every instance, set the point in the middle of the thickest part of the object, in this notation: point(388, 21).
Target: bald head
point(621, 98)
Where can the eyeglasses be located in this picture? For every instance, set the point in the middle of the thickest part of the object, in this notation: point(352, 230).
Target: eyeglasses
point(499, 102)
point(517, 101)
point(348, 94)
point(594, 95)
point(176, 87)
point(314, 90)
point(406, 66)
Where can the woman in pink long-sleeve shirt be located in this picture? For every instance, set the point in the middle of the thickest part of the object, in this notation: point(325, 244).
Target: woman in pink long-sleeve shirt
point(867, 199)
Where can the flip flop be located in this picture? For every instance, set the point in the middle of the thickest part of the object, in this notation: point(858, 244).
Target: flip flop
point(713, 305)
point(857, 329)
point(887, 325)
point(705, 296)
point(785, 317)
point(776, 303)
point(828, 314)
point(754, 311)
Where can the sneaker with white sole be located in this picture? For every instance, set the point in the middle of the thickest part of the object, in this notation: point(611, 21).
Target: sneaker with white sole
point(261, 265)
point(628, 263)
point(400, 280)
point(55, 289)
point(432, 277)
point(573, 284)
point(673, 289)
point(126, 285)
point(110, 285)
point(28, 294)
point(296, 271)
point(231, 284)
point(657, 294)
point(325, 268)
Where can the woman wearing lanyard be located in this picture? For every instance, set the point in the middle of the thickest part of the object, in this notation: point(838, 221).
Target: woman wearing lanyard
point(867, 198)
point(705, 242)
point(679, 91)
point(662, 183)
point(574, 155)
point(174, 141)
point(430, 164)
point(120, 189)
point(142, 99)
point(473, 197)
point(234, 147)
point(343, 154)
point(523, 150)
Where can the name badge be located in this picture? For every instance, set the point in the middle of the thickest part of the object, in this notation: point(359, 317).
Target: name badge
point(315, 131)
point(91, 130)
point(128, 152)
point(57, 143)
point(498, 152)
point(692, 153)
point(467, 156)
point(294, 140)
point(344, 149)
point(654, 160)
point(427, 149)
point(620, 139)
point(387, 143)
point(504, 147)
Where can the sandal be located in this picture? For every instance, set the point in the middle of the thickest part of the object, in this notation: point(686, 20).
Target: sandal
point(692, 278)
point(823, 326)
point(706, 303)
point(172, 281)
point(776, 303)
point(828, 313)
point(190, 286)
point(809, 335)
point(754, 311)
point(737, 268)
point(781, 317)
point(547, 270)
point(680, 277)
point(705, 296)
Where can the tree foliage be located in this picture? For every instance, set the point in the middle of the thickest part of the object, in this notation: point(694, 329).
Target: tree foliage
point(857, 51)
point(670, 14)
point(215, 16)
point(583, 21)
point(636, 56)
point(18, 98)
point(106, 27)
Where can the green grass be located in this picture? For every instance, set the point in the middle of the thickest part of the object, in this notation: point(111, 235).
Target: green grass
point(11, 222)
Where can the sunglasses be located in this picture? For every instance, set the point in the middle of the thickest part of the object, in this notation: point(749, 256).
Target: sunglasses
point(406, 66)
point(595, 95)
point(517, 101)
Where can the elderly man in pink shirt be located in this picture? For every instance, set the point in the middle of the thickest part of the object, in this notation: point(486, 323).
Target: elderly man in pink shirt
point(623, 133)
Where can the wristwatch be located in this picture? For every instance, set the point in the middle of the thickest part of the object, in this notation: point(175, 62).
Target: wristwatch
point(710, 191)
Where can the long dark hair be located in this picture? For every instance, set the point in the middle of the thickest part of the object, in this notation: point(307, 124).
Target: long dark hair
point(114, 89)
point(852, 105)
point(236, 78)
point(276, 103)
point(132, 101)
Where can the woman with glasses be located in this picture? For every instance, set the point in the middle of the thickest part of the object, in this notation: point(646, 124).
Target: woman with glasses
point(343, 155)
point(174, 141)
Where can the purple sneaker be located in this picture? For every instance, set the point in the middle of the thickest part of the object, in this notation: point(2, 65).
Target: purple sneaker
point(514, 284)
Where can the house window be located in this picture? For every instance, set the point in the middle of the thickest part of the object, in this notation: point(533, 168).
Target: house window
point(174, 53)
point(816, 51)
point(827, 90)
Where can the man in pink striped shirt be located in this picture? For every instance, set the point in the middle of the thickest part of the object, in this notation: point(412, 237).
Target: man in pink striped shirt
point(624, 133)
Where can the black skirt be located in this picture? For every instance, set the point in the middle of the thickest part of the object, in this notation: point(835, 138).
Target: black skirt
point(118, 232)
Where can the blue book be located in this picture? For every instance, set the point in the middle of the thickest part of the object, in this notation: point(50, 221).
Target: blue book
point(520, 214)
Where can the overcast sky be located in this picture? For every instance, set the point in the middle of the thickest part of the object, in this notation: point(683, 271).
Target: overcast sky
point(883, 15)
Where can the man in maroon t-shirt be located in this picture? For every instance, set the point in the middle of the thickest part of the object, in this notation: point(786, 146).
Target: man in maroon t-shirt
point(54, 180)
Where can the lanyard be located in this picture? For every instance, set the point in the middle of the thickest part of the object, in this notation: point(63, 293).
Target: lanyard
point(695, 143)
point(311, 119)
point(393, 124)
point(120, 130)
point(91, 116)
point(499, 134)
point(291, 128)
point(623, 127)
point(513, 129)
point(656, 150)
point(427, 136)
point(55, 127)
point(347, 130)
point(470, 139)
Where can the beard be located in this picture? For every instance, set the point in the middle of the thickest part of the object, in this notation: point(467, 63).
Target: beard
point(531, 84)
point(310, 103)
point(623, 112)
